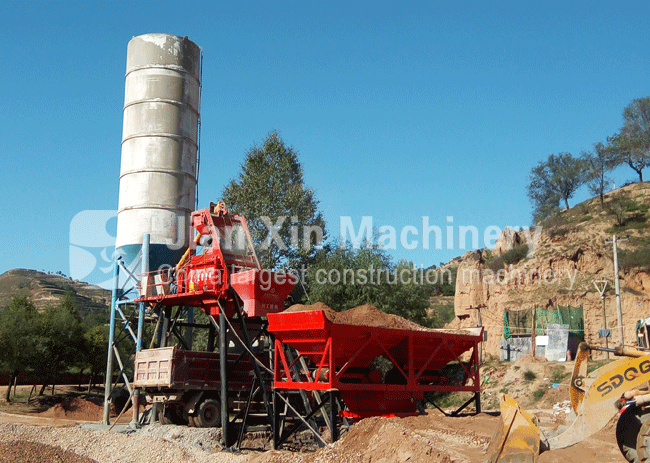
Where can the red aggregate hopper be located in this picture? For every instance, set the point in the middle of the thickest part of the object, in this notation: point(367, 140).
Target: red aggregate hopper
point(343, 357)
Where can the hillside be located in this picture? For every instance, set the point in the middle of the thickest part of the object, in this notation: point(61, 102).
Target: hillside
point(557, 264)
point(47, 290)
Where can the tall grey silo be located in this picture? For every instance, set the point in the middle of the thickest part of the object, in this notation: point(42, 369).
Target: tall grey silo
point(159, 147)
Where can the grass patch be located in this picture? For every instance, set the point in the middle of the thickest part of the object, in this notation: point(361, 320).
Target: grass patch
point(530, 375)
point(596, 364)
point(447, 399)
point(637, 258)
point(539, 393)
point(559, 375)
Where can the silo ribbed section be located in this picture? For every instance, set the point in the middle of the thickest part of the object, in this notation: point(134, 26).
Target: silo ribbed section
point(159, 146)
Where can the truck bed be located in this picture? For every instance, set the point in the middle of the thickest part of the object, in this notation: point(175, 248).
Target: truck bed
point(170, 367)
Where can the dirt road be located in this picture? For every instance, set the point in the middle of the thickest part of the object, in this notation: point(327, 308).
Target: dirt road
point(50, 433)
point(433, 438)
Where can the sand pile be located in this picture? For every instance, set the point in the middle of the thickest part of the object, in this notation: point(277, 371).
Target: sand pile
point(363, 315)
point(76, 409)
point(367, 315)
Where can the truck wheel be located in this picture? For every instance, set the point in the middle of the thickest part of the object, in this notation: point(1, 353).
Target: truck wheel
point(643, 443)
point(209, 414)
point(628, 432)
point(172, 414)
point(163, 416)
point(120, 398)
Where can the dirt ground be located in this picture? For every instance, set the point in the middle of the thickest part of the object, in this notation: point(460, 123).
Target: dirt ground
point(49, 431)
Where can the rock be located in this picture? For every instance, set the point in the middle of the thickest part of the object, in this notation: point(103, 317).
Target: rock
point(507, 240)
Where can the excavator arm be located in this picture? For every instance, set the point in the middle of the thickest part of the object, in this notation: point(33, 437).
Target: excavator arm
point(594, 398)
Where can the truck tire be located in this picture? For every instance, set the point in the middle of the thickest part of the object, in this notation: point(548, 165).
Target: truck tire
point(208, 414)
point(120, 398)
point(172, 414)
point(163, 416)
point(628, 432)
point(643, 443)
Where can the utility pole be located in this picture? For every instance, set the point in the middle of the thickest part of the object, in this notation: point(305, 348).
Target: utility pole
point(617, 286)
point(533, 334)
point(600, 286)
point(479, 323)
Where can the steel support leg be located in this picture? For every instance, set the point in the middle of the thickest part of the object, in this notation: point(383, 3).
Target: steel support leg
point(108, 381)
point(138, 344)
point(276, 420)
point(334, 413)
point(223, 360)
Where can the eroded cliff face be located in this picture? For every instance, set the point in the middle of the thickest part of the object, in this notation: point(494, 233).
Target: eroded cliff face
point(560, 268)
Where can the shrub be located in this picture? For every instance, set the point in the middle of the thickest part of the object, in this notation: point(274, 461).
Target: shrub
point(559, 375)
point(441, 315)
point(586, 218)
point(511, 257)
point(619, 206)
point(539, 393)
point(529, 375)
point(637, 258)
point(558, 232)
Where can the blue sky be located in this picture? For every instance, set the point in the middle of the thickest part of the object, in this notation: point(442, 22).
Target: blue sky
point(399, 110)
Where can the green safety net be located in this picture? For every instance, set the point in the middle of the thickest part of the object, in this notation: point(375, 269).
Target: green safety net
point(506, 327)
point(520, 322)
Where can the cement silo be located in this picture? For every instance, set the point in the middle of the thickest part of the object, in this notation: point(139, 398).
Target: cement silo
point(159, 147)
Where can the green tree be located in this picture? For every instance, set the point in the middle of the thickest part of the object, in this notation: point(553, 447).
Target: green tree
point(62, 340)
point(18, 338)
point(282, 212)
point(598, 163)
point(95, 351)
point(632, 144)
point(620, 206)
point(554, 180)
point(345, 278)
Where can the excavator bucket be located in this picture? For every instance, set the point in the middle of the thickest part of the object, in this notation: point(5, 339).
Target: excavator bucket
point(593, 396)
point(518, 439)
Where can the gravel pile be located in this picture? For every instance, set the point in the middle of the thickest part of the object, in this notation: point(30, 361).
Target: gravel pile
point(33, 452)
point(72, 444)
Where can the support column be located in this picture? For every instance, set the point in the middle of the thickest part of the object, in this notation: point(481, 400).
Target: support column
point(334, 413)
point(108, 381)
point(138, 344)
point(189, 334)
point(223, 360)
point(276, 419)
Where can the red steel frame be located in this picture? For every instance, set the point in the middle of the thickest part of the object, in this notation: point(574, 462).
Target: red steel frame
point(228, 261)
point(341, 357)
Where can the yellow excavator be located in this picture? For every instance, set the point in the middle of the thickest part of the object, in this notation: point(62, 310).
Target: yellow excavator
point(620, 387)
